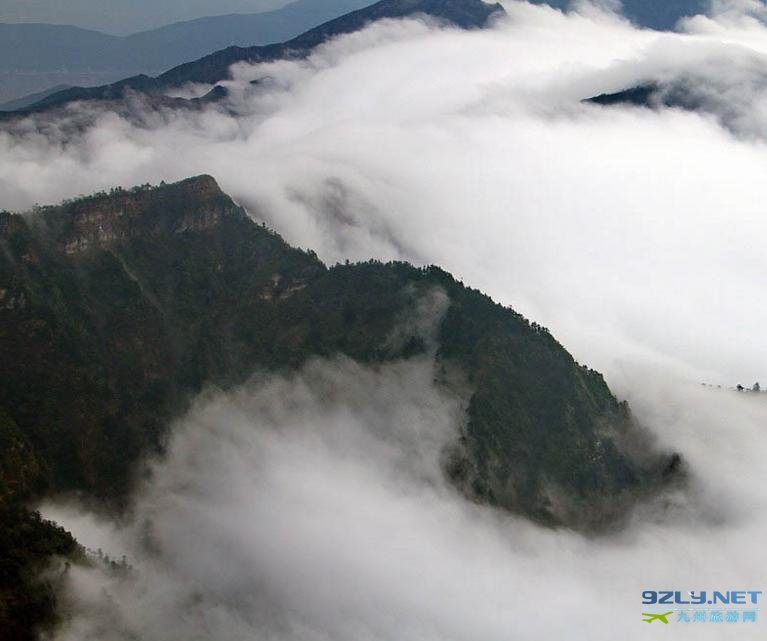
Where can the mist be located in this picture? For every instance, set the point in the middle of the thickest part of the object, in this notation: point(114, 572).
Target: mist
point(636, 236)
point(314, 508)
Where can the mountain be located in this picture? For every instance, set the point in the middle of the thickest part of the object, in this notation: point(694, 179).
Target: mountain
point(642, 95)
point(116, 310)
point(466, 14)
point(696, 92)
point(211, 69)
point(30, 99)
point(118, 17)
point(140, 297)
point(652, 14)
point(45, 53)
point(662, 14)
point(177, 43)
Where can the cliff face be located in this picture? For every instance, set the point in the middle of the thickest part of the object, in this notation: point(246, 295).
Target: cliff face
point(103, 220)
point(116, 309)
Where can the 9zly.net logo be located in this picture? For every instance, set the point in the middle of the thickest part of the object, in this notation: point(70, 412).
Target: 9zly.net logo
point(734, 606)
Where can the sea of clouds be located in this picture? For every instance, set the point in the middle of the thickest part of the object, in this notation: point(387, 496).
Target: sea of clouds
point(311, 507)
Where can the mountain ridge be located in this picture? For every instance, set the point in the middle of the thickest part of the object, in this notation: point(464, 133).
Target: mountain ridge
point(68, 248)
point(210, 69)
point(61, 52)
point(662, 15)
point(116, 17)
point(141, 297)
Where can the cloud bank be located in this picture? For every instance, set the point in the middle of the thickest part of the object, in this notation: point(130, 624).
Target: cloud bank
point(636, 236)
point(314, 508)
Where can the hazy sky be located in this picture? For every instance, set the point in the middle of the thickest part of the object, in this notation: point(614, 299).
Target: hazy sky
point(121, 17)
point(309, 508)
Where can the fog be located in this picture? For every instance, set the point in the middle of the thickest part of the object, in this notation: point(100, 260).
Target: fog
point(314, 508)
point(288, 511)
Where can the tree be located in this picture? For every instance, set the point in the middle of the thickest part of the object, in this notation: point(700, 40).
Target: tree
point(757, 387)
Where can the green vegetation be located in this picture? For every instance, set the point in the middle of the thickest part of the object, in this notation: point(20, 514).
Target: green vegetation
point(116, 310)
point(27, 542)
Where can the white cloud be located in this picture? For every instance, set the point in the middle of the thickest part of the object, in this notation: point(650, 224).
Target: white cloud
point(636, 236)
point(313, 508)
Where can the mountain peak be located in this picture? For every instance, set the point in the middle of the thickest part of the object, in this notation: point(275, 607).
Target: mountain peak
point(98, 221)
point(467, 14)
point(186, 289)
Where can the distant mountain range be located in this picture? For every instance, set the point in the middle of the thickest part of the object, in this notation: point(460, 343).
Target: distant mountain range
point(215, 67)
point(653, 14)
point(122, 18)
point(30, 99)
point(34, 57)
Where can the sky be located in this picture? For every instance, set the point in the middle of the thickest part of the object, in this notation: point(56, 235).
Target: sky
point(635, 236)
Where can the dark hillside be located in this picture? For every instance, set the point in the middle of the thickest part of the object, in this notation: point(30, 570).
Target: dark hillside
point(117, 309)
